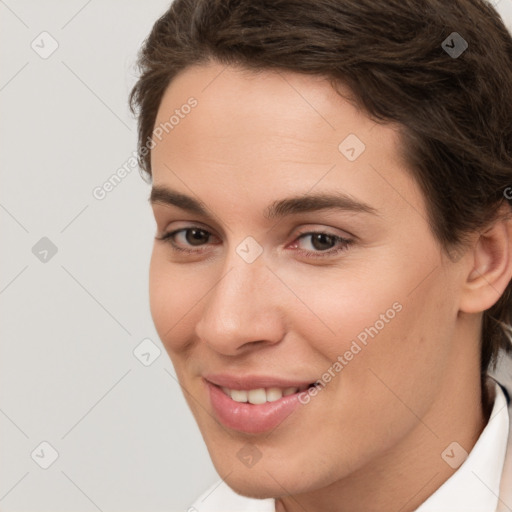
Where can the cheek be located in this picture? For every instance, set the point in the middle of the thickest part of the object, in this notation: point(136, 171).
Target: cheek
point(173, 293)
point(405, 361)
point(339, 306)
point(378, 324)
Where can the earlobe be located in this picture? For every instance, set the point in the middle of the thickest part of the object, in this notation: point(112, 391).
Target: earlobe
point(491, 266)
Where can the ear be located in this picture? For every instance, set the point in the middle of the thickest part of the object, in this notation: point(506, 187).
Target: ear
point(490, 268)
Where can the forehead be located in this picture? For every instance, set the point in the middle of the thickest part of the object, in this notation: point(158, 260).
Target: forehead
point(272, 131)
point(273, 91)
point(248, 106)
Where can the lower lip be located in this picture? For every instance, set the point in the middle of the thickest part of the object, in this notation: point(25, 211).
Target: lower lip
point(250, 418)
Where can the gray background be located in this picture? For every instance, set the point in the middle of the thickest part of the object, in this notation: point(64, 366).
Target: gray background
point(71, 320)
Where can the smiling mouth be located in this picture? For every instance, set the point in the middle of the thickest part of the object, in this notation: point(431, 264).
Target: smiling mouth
point(255, 410)
point(260, 396)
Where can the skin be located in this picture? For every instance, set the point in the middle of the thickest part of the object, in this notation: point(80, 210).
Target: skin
point(372, 438)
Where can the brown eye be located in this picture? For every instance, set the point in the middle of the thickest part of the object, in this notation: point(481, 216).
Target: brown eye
point(191, 240)
point(195, 236)
point(322, 241)
point(317, 244)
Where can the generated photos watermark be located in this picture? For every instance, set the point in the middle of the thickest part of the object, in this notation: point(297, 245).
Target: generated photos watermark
point(355, 348)
point(101, 191)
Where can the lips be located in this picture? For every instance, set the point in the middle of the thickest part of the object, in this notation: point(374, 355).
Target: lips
point(241, 402)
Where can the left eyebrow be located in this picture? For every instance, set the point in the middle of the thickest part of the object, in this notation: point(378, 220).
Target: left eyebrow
point(288, 206)
point(315, 202)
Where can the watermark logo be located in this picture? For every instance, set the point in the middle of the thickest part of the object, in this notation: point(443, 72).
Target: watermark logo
point(44, 455)
point(147, 352)
point(44, 45)
point(44, 250)
point(249, 249)
point(454, 455)
point(249, 455)
point(351, 147)
point(454, 45)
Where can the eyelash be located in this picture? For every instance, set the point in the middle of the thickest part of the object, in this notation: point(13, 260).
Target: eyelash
point(345, 243)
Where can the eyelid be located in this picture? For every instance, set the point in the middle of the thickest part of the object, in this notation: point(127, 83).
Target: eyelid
point(341, 233)
point(345, 241)
point(302, 231)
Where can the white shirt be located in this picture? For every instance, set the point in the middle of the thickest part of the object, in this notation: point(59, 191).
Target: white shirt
point(474, 487)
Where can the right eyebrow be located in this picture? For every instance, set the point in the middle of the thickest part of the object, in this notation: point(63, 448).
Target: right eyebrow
point(166, 196)
point(280, 208)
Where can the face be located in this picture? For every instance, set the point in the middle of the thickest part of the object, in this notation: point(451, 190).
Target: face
point(301, 255)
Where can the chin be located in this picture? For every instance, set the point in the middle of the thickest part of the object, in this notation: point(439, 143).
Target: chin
point(248, 486)
point(264, 481)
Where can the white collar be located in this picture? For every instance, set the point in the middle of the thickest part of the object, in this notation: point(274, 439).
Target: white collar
point(474, 487)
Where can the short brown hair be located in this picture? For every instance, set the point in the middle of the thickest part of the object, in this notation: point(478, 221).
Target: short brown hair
point(455, 112)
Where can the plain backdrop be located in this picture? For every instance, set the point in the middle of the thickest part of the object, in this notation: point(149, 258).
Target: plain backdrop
point(91, 416)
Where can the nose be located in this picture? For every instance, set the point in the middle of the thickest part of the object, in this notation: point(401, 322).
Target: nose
point(243, 309)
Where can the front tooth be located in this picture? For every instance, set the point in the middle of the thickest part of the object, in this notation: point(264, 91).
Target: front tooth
point(257, 396)
point(239, 395)
point(274, 394)
point(290, 391)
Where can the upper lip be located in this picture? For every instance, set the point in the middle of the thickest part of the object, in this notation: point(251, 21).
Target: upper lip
point(246, 382)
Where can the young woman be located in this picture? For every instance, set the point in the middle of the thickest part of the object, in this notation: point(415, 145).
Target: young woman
point(332, 264)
